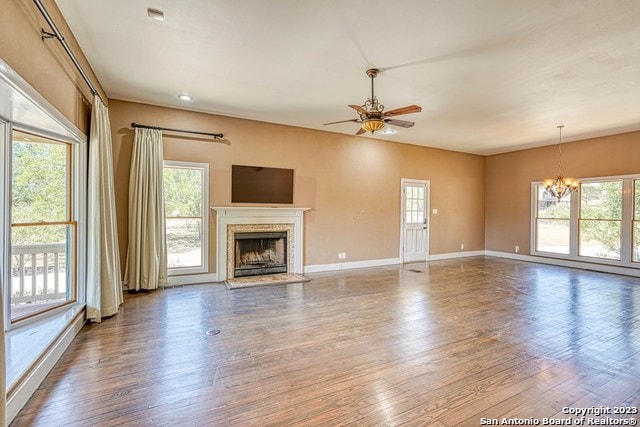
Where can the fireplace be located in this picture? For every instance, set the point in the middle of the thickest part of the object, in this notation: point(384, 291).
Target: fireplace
point(232, 221)
point(257, 253)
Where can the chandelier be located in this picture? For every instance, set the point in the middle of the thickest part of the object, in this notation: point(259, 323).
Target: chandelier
point(560, 186)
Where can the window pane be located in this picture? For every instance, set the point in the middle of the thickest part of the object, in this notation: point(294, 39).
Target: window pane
point(183, 192)
point(41, 268)
point(637, 199)
point(184, 242)
point(600, 239)
point(552, 236)
point(549, 207)
point(601, 200)
point(636, 241)
point(39, 180)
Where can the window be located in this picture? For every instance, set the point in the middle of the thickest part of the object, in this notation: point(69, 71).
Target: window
point(636, 221)
point(552, 223)
point(414, 207)
point(601, 219)
point(43, 229)
point(186, 200)
point(600, 223)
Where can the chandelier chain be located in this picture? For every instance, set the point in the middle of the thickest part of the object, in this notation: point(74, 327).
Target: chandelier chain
point(560, 151)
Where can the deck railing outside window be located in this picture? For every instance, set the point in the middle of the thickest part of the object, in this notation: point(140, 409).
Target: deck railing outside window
point(38, 274)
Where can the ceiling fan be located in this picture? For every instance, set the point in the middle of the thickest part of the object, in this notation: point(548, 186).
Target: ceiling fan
point(372, 116)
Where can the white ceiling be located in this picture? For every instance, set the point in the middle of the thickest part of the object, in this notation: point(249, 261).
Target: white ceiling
point(491, 75)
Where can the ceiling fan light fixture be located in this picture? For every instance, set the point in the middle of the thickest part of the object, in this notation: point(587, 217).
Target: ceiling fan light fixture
point(372, 125)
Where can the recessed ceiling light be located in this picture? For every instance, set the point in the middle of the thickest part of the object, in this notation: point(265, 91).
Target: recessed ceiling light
point(156, 14)
point(389, 131)
point(185, 97)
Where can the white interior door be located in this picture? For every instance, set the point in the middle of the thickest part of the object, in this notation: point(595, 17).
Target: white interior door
point(415, 221)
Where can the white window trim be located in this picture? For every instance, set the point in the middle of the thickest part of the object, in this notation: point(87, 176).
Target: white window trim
point(204, 211)
point(51, 124)
point(627, 218)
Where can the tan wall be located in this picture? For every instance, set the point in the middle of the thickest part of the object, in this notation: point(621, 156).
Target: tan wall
point(509, 177)
point(352, 184)
point(45, 65)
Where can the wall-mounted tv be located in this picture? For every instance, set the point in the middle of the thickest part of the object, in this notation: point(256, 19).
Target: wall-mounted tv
point(256, 184)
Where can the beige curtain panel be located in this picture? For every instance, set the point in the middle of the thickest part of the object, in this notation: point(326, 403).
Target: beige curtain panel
point(147, 254)
point(104, 285)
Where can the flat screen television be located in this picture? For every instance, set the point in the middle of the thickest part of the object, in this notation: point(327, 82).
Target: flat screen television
point(257, 184)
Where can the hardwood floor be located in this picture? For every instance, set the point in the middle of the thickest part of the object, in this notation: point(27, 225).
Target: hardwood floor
point(445, 343)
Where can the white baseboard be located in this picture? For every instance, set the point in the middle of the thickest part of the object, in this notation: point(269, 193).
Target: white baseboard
point(192, 279)
point(451, 255)
point(318, 268)
point(603, 268)
point(26, 386)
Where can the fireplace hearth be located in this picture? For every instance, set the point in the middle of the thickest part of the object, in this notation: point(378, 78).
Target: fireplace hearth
point(258, 253)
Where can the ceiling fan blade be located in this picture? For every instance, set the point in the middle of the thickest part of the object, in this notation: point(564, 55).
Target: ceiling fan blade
point(359, 109)
point(360, 131)
point(404, 110)
point(401, 123)
point(342, 121)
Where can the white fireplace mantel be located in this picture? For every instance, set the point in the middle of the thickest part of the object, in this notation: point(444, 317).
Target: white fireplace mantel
point(233, 215)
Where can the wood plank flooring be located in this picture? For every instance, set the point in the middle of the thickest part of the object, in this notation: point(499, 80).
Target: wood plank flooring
point(444, 344)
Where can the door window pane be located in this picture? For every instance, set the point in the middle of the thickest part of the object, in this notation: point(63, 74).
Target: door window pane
point(414, 204)
point(184, 242)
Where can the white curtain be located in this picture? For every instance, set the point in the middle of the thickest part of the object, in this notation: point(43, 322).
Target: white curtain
point(147, 255)
point(104, 285)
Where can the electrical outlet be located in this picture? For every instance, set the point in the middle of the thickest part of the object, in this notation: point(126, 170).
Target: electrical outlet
point(517, 249)
point(434, 211)
point(461, 246)
point(342, 255)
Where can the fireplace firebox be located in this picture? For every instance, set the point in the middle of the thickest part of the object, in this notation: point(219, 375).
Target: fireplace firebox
point(258, 253)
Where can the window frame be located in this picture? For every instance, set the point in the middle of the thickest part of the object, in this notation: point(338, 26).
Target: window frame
point(575, 202)
point(534, 223)
point(204, 211)
point(634, 220)
point(30, 112)
point(70, 220)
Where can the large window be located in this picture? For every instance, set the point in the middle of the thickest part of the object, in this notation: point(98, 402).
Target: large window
point(43, 229)
point(600, 223)
point(601, 219)
point(186, 199)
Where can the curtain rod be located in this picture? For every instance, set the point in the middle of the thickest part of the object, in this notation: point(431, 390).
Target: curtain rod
point(57, 35)
point(214, 135)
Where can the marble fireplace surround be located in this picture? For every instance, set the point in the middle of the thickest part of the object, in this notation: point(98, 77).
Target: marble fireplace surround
point(231, 220)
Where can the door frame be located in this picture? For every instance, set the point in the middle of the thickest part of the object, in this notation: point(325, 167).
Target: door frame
point(427, 183)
